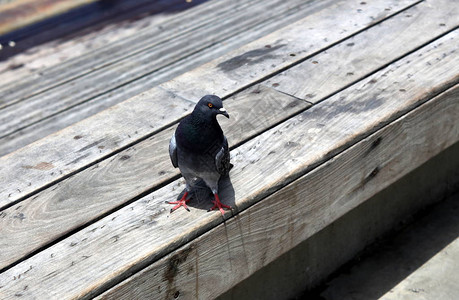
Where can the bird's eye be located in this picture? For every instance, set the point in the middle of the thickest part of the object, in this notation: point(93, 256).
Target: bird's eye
point(209, 104)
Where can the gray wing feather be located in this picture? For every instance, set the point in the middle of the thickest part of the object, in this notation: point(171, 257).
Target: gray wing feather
point(173, 151)
point(222, 159)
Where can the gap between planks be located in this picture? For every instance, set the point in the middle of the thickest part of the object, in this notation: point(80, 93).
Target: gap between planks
point(280, 50)
point(105, 80)
point(45, 57)
point(96, 104)
point(343, 130)
point(150, 186)
point(261, 233)
point(145, 38)
point(122, 174)
point(19, 187)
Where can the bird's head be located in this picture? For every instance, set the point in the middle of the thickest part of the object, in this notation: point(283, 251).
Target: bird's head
point(211, 105)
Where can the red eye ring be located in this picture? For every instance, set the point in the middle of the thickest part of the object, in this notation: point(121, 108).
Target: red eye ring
point(209, 104)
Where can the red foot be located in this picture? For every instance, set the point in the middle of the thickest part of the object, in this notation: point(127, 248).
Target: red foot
point(219, 205)
point(181, 202)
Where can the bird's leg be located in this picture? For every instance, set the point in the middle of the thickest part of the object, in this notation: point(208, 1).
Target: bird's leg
point(181, 202)
point(219, 205)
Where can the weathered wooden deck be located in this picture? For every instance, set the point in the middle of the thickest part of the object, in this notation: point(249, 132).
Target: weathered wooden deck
point(330, 102)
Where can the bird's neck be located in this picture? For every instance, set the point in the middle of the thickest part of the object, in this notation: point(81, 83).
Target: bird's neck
point(200, 132)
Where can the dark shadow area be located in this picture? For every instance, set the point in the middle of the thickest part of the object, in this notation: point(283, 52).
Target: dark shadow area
point(391, 259)
point(399, 229)
point(389, 262)
point(201, 196)
point(87, 18)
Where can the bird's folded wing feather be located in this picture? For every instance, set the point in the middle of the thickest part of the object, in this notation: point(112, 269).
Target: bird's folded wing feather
point(222, 159)
point(173, 151)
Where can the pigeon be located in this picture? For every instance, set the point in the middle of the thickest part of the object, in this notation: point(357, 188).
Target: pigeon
point(200, 149)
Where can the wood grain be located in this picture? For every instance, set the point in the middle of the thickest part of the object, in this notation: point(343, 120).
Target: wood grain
point(133, 237)
point(35, 239)
point(96, 102)
point(227, 254)
point(40, 59)
point(111, 45)
point(315, 78)
point(22, 183)
point(75, 147)
point(112, 182)
point(279, 50)
point(21, 112)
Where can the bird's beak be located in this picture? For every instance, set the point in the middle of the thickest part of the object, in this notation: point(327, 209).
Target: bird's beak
point(223, 112)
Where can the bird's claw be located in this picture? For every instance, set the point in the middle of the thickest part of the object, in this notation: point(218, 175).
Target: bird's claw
point(181, 202)
point(219, 205)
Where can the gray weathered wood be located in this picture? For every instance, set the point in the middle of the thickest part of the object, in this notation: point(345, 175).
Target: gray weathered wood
point(71, 149)
point(20, 115)
point(43, 105)
point(40, 59)
point(75, 88)
point(222, 257)
point(112, 182)
point(131, 238)
point(316, 77)
point(95, 50)
point(96, 104)
point(279, 50)
point(20, 181)
point(29, 233)
point(36, 240)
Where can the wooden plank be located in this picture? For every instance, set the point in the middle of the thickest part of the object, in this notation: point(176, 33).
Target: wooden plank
point(20, 183)
point(145, 231)
point(219, 259)
point(21, 114)
point(70, 116)
point(67, 117)
point(143, 41)
point(279, 50)
point(140, 165)
point(316, 77)
point(112, 182)
point(178, 40)
point(28, 233)
point(95, 14)
point(27, 66)
point(65, 152)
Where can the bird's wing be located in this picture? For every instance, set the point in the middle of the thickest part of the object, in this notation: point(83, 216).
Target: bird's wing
point(222, 159)
point(173, 151)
